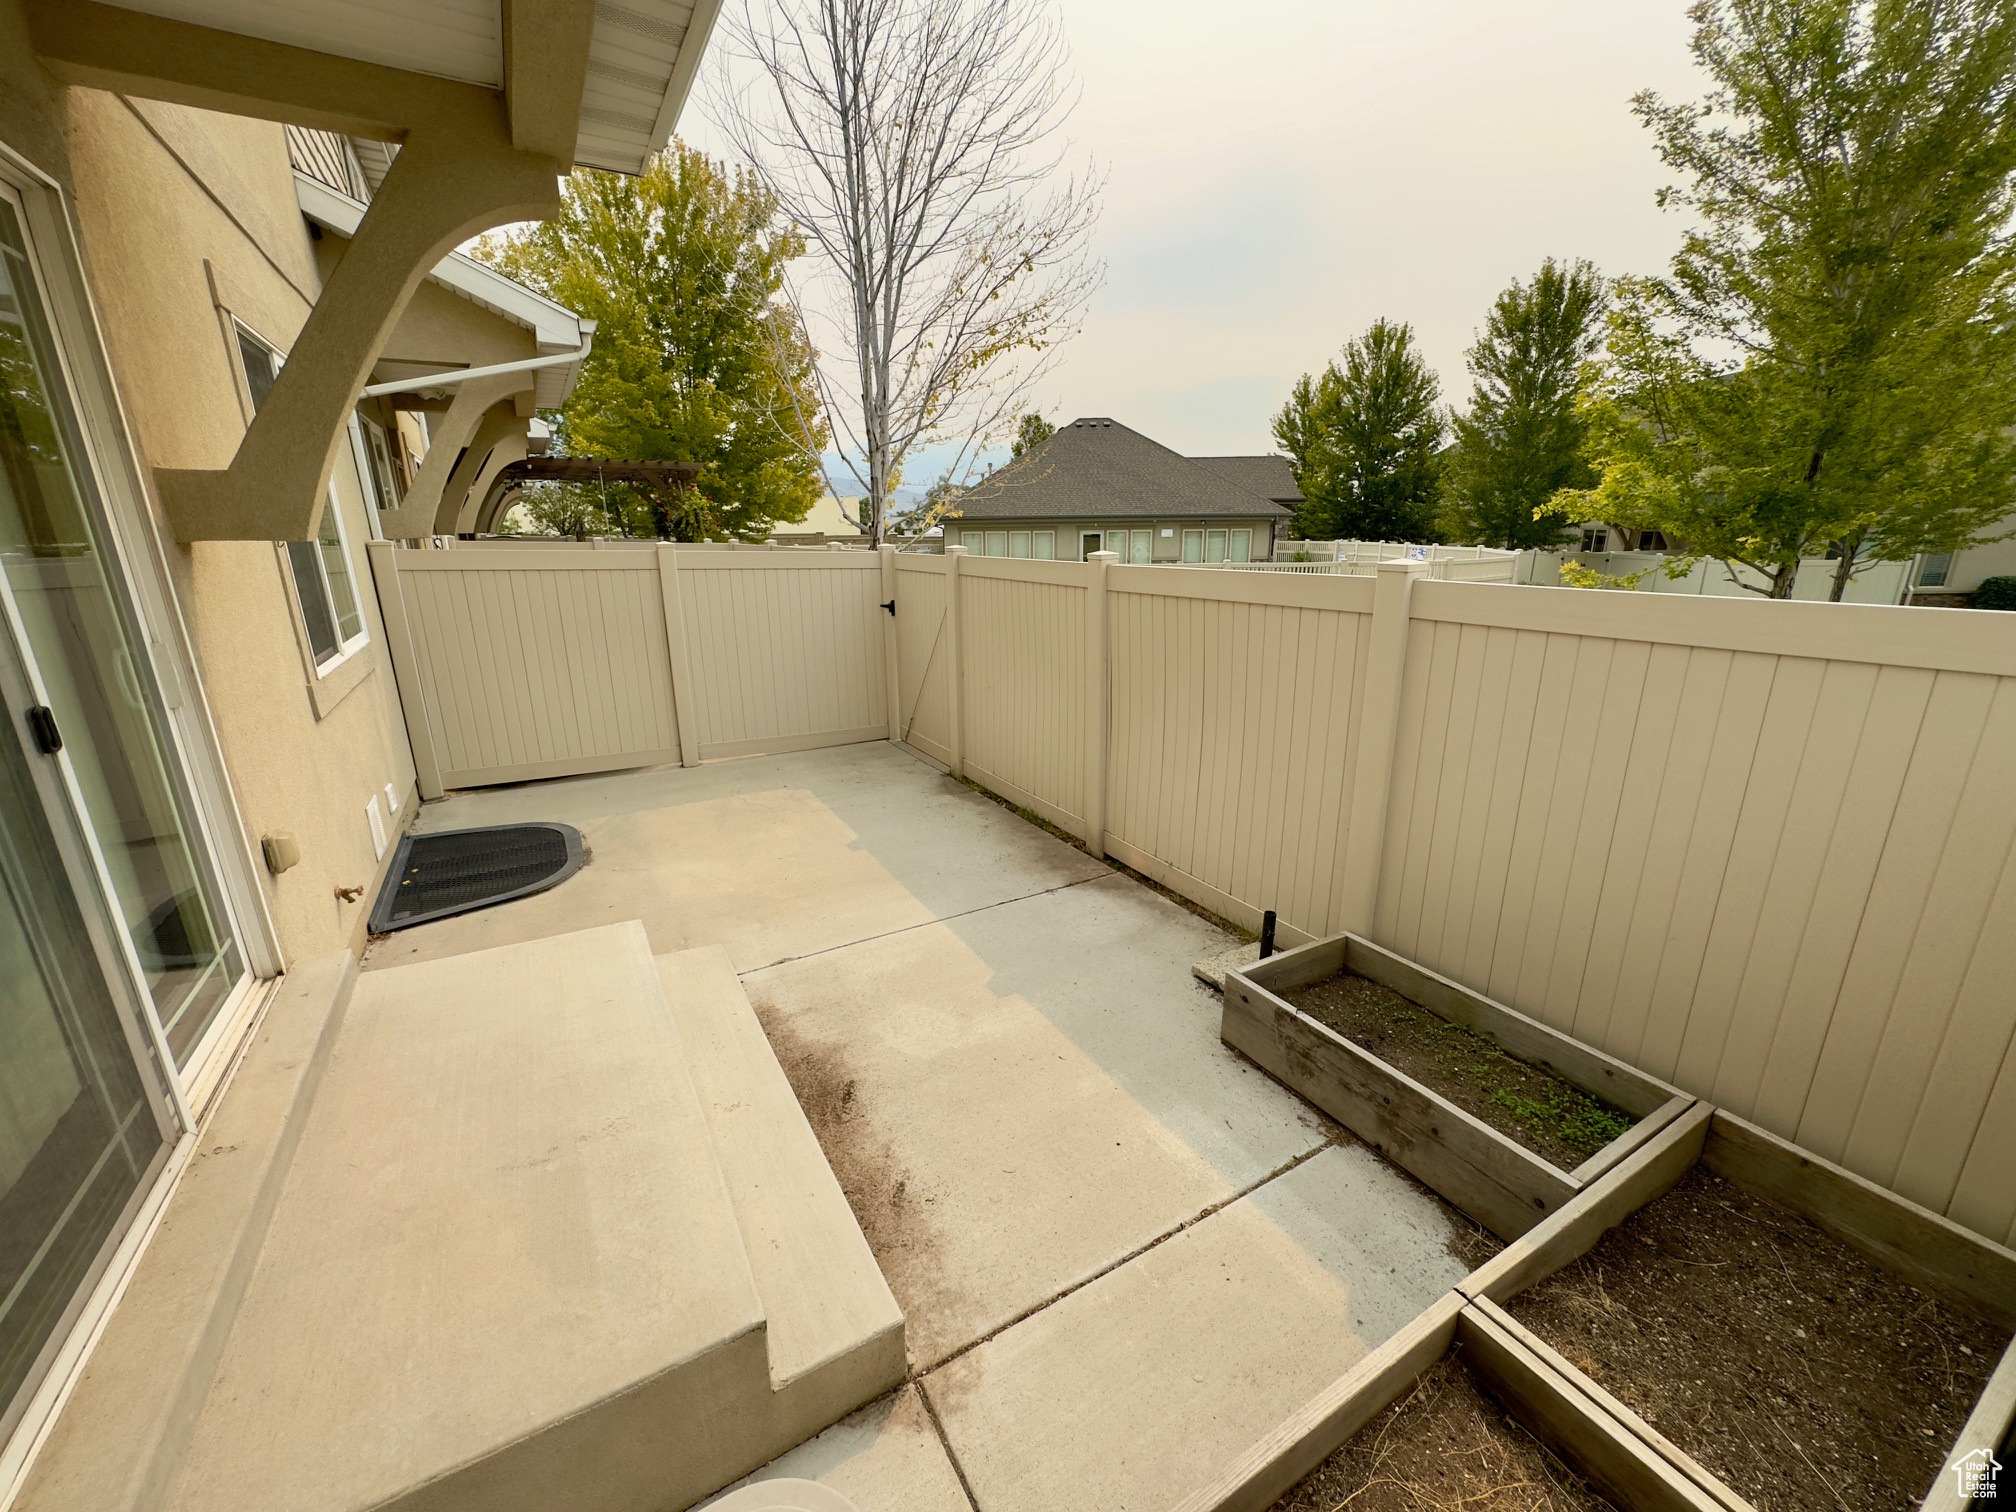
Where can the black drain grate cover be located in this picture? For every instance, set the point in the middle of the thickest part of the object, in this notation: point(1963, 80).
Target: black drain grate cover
point(452, 872)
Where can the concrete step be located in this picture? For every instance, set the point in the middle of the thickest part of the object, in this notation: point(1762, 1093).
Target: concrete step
point(504, 1272)
point(539, 1227)
point(835, 1331)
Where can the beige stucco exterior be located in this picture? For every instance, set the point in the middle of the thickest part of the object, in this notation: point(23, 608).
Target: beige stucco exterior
point(173, 204)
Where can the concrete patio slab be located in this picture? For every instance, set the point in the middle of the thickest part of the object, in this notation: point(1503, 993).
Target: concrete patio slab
point(1002, 1148)
point(1132, 1391)
point(1122, 1251)
point(772, 857)
point(885, 1458)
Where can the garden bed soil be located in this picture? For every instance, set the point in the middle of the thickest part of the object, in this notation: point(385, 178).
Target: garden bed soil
point(1799, 1372)
point(1528, 1104)
point(1446, 1443)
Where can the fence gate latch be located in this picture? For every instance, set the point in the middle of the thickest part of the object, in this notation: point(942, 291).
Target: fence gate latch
point(891, 607)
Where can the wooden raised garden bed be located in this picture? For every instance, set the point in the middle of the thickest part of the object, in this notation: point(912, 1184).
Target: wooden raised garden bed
point(1489, 1172)
point(1629, 1460)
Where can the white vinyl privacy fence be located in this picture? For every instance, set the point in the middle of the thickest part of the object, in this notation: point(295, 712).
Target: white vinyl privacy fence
point(1766, 851)
point(1761, 850)
point(516, 662)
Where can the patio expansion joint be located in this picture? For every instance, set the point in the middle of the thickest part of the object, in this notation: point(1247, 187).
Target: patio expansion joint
point(919, 1375)
point(890, 934)
point(945, 1443)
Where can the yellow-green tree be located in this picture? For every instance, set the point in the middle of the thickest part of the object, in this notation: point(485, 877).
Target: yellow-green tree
point(697, 358)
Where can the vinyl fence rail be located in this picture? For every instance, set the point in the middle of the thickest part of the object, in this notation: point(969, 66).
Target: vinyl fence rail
point(1765, 851)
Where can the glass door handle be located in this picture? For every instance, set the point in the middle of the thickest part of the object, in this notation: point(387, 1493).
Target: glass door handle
point(42, 725)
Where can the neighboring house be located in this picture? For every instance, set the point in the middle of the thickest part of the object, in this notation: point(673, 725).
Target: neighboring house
point(224, 230)
point(1949, 578)
point(1940, 579)
point(1097, 485)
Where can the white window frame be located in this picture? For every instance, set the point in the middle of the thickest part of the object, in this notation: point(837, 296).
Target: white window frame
point(374, 461)
point(1193, 547)
point(345, 648)
point(1043, 545)
point(1241, 549)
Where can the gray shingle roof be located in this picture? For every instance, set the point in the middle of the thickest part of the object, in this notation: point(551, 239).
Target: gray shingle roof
point(1096, 468)
point(1270, 477)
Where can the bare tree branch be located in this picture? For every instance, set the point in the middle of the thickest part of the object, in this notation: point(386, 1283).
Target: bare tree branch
point(914, 143)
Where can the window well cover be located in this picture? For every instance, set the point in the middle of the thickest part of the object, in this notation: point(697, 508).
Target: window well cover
point(455, 871)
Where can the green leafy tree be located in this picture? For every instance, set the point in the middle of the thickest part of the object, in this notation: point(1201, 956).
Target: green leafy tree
point(1522, 440)
point(697, 357)
point(1363, 439)
point(1831, 362)
point(1031, 431)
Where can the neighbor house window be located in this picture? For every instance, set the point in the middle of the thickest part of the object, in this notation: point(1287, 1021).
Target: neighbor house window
point(1242, 545)
point(1018, 543)
point(1088, 542)
point(1937, 566)
point(327, 590)
point(997, 543)
point(1214, 545)
point(1136, 546)
point(1193, 545)
point(1043, 545)
point(1595, 540)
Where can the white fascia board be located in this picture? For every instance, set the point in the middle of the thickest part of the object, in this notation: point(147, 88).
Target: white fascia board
point(555, 328)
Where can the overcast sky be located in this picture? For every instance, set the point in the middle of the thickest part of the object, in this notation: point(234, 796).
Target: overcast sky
point(1283, 172)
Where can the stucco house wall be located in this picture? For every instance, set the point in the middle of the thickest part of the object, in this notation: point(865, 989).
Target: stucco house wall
point(173, 204)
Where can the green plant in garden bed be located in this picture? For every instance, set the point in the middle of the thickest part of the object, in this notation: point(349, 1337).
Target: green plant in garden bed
point(1549, 1115)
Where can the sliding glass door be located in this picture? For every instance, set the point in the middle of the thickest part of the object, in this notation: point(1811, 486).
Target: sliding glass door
point(117, 952)
point(80, 1127)
point(92, 668)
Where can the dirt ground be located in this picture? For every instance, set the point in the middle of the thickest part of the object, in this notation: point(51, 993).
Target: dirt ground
point(1554, 1119)
point(1802, 1374)
point(1444, 1445)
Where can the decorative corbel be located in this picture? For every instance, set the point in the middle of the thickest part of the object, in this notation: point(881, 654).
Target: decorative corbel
point(447, 440)
point(445, 186)
point(459, 172)
point(501, 423)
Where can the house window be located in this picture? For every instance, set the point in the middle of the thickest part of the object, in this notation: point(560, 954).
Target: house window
point(1140, 543)
point(1652, 540)
point(1242, 545)
point(1595, 540)
point(327, 591)
point(997, 543)
point(1938, 565)
point(1018, 543)
point(1043, 545)
point(410, 442)
point(262, 365)
point(1214, 545)
point(1193, 545)
point(1087, 544)
point(387, 491)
